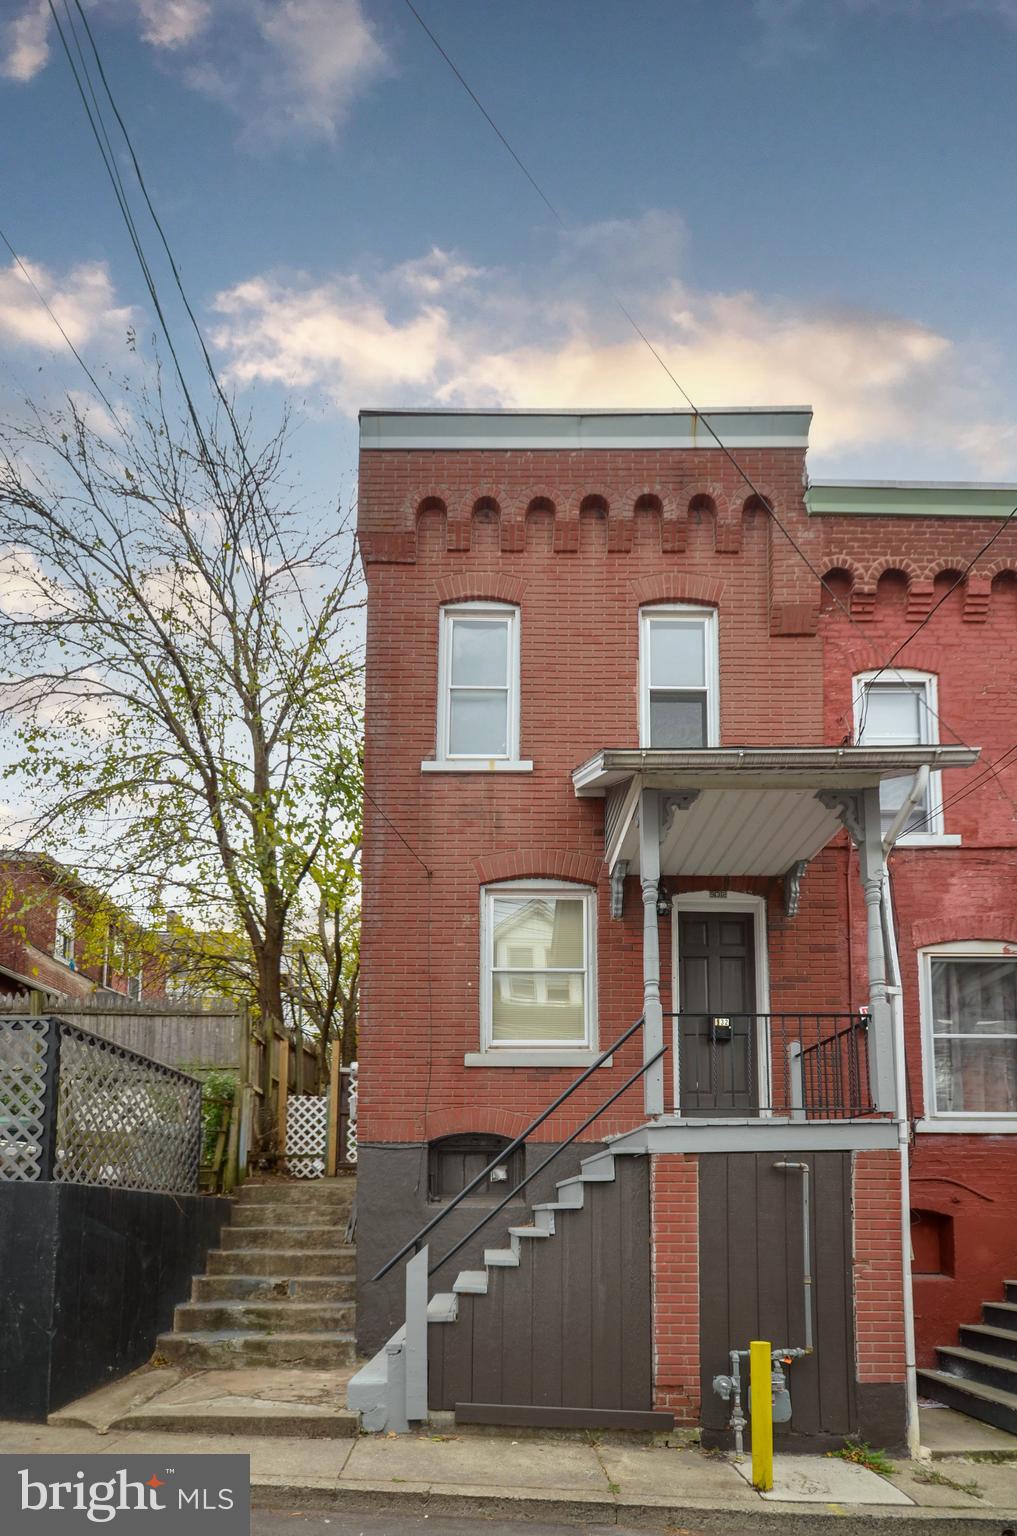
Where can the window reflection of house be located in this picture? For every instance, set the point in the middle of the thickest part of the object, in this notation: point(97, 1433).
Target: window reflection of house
point(538, 967)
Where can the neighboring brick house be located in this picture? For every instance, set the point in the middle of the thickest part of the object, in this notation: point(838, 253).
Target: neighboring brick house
point(610, 776)
point(58, 935)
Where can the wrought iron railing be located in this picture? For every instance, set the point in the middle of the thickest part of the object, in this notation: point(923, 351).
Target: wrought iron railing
point(82, 1110)
point(806, 1066)
point(416, 1241)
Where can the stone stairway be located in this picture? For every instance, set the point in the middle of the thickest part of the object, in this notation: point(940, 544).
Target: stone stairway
point(978, 1376)
point(280, 1290)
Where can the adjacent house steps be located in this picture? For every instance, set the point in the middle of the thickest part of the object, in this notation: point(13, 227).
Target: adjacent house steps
point(279, 1291)
point(378, 1391)
point(978, 1376)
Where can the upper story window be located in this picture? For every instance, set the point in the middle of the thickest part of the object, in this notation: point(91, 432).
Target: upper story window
point(970, 1014)
point(478, 684)
point(900, 709)
point(538, 965)
point(679, 704)
point(63, 948)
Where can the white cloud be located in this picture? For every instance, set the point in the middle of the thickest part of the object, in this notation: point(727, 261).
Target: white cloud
point(24, 41)
point(82, 299)
point(281, 65)
point(439, 329)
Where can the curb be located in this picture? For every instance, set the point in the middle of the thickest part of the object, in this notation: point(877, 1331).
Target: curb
point(575, 1509)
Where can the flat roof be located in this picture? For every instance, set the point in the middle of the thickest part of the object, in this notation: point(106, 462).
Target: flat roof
point(807, 767)
point(909, 498)
point(425, 428)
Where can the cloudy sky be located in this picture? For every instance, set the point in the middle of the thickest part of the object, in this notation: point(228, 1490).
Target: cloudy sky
point(800, 201)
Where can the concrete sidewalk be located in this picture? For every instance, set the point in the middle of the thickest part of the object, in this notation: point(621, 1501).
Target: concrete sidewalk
point(596, 1480)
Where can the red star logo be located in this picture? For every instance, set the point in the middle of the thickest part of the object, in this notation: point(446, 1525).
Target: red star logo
point(154, 1482)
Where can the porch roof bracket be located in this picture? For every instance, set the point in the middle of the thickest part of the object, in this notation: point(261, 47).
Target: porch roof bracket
point(618, 874)
point(793, 887)
point(671, 802)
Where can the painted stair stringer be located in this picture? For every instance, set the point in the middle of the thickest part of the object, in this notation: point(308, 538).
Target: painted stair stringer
point(378, 1390)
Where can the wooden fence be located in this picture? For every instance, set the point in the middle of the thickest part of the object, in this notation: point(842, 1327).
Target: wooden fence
point(201, 1042)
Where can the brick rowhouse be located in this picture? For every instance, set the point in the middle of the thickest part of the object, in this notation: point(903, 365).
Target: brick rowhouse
point(578, 541)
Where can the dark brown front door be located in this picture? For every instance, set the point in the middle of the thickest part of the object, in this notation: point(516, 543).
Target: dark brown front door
point(717, 1036)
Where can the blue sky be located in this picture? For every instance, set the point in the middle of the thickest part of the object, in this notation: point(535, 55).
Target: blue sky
point(800, 201)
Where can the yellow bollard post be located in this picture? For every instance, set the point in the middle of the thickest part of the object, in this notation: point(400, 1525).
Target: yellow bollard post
point(761, 1402)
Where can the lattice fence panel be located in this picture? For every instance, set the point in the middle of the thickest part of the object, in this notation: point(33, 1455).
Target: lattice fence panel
point(351, 1115)
point(124, 1120)
point(24, 1045)
point(306, 1135)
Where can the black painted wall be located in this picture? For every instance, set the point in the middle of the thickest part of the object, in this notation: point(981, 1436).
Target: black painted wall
point(392, 1205)
point(88, 1279)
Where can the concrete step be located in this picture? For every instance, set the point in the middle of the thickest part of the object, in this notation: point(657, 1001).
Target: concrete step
point(329, 1214)
point(263, 1317)
point(313, 1239)
point(973, 1365)
point(273, 1288)
point(1010, 1289)
point(1000, 1314)
point(989, 1404)
point(991, 1341)
point(234, 1349)
point(270, 1261)
point(297, 1192)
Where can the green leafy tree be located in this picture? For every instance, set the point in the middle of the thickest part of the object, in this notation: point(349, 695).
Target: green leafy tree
point(180, 682)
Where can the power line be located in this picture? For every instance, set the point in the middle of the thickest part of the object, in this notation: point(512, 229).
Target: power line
point(624, 310)
point(78, 357)
point(1005, 760)
point(934, 610)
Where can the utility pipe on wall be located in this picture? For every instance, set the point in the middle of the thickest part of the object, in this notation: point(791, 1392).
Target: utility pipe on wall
point(803, 1169)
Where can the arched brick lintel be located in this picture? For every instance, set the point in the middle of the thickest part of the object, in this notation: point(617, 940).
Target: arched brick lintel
point(461, 589)
point(539, 864)
point(678, 587)
point(995, 927)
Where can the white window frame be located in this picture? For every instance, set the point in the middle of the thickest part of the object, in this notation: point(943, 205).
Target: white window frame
point(958, 1122)
point(932, 834)
point(707, 617)
point(445, 761)
point(566, 1053)
point(64, 926)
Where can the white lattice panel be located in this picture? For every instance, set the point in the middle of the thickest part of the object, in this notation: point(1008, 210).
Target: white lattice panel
point(306, 1135)
point(351, 1116)
point(23, 1047)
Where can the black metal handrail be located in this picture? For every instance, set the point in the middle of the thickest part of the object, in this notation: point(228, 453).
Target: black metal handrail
point(633, 1078)
point(506, 1152)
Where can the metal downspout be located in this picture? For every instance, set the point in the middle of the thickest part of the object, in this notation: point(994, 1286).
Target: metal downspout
point(804, 1170)
point(904, 1147)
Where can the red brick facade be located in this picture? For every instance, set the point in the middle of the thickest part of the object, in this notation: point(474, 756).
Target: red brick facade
point(674, 1196)
point(580, 541)
point(878, 1273)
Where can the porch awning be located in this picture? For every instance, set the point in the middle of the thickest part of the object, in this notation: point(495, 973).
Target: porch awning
point(741, 810)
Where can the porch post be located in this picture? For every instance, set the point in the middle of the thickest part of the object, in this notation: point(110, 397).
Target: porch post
point(649, 876)
point(872, 866)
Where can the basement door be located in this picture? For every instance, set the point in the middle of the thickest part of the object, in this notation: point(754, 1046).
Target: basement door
point(716, 1031)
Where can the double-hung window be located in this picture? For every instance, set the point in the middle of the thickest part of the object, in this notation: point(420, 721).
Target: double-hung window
point(478, 686)
point(970, 1008)
point(63, 948)
point(678, 692)
point(538, 985)
point(899, 709)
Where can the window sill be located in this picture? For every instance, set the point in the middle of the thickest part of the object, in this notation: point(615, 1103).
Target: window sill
point(532, 1058)
point(962, 1125)
point(930, 840)
point(478, 765)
